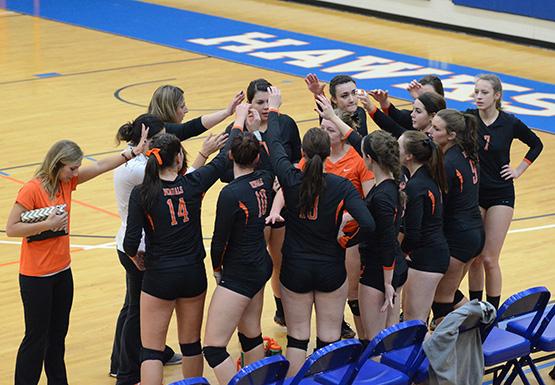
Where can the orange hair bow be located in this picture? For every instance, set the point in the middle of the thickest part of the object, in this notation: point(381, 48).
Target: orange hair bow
point(156, 152)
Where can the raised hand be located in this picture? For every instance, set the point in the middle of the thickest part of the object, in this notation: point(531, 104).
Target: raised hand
point(274, 99)
point(253, 120)
point(415, 89)
point(213, 143)
point(381, 97)
point(326, 110)
point(314, 85)
point(237, 99)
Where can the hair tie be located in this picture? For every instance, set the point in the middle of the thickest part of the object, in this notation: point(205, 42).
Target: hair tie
point(156, 152)
point(430, 143)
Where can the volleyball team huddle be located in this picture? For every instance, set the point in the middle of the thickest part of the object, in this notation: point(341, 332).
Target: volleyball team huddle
point(385, 220)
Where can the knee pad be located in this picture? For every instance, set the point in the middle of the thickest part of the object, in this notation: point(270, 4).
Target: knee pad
point(215, 355)
point(320, 344)
point(353, 304)
point(192, 349)
point(458, 297)
point(297, 344)
point(247, 344)
point(150, 354)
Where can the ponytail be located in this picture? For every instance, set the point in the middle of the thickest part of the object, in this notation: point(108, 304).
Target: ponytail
point(427, 152)
point(469, 141)
point(465, 128)
point(383, 148)
point(436, 167)
point(162, 154)
point(316, 148)
point(131, 132)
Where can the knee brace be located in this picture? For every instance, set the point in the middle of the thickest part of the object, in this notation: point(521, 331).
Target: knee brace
point(150, 354)
point(297, 344)
point(353, 304)
point(320, 344)
point(215, 355)
point(458, 297)
point(247, 344)
point(192, 349)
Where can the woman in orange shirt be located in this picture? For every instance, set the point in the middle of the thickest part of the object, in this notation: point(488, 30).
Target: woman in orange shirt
point(45, 278)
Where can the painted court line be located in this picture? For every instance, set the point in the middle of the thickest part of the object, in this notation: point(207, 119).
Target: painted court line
point(292, 53)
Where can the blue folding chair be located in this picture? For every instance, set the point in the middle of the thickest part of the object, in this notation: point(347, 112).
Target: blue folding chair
point(502, 346)
point(409, 334)
point(542, 338)
point(192, 381)
point(268, 371)
point(397, 359)
point(339, 356)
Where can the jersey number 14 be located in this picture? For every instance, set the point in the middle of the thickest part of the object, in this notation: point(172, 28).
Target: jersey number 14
point(181, 211)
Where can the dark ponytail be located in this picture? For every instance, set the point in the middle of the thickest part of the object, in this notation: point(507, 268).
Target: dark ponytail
point(426, 151)
point(244, 149)
point(164, 150)
point(316, 148)
point(383, 148)
point(130, 132)
point(465, 128)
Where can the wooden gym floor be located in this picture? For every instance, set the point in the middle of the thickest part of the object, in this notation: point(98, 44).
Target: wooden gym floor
point(81, 106)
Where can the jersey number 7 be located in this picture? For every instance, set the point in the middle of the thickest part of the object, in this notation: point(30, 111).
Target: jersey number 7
point(181, 211)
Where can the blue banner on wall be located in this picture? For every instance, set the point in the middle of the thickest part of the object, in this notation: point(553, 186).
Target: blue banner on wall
point(540, 9)
point(289, 52)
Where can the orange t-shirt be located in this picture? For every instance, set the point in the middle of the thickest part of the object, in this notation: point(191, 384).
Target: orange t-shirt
point(350, 166)
point(49, 255)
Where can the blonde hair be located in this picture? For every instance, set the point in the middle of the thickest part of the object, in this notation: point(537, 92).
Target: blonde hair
point(165, 102)
point(495, 84)
point(61, 153)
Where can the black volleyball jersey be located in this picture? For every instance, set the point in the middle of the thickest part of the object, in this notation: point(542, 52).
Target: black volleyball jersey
point(290, 139)
point(186, 130)
point(494, 143)
point(240, 220)
point(461, 208)
point(403, 117)
point(314, 236)
point(381, 249)
point(423, 220)
point(172, 228)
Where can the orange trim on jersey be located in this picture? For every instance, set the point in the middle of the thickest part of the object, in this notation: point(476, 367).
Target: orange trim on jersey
point(433, 201)
point(373, 112)
point(389, 268)
point(219, 268)
point(338, 210)
point(245, 210)
point(274, 110)
point(263, 144)
point(529, 162)
point(347, 134)
point(150, 221)
point(461, 179)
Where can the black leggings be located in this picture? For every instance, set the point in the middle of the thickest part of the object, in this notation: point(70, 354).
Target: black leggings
point(46, 304)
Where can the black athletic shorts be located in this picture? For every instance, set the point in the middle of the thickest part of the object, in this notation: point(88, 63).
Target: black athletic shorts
point(303, 276)
point(465, 245)
point(430, 259)
point(373, 277)
point(178, 282)
point(246, 280)
point(497, 197)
